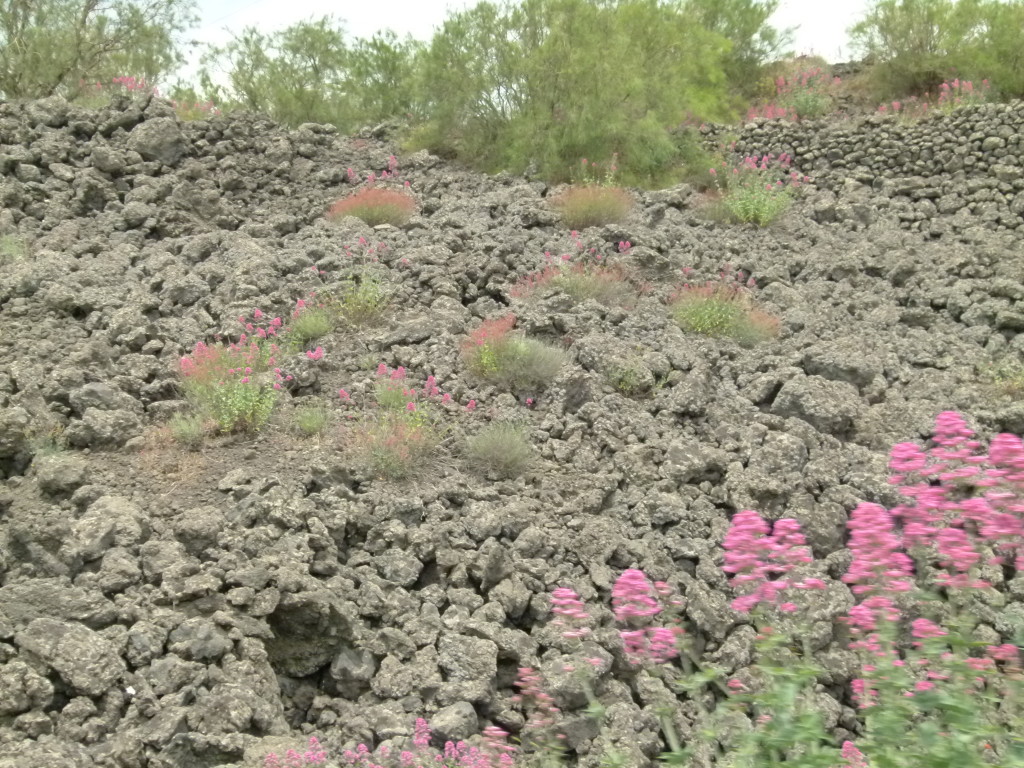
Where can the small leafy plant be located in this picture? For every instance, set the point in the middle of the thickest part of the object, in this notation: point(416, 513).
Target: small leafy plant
point(723, 308)
point(402, 434)
point(759, 190)
point(495, 354)
point(501, 448)
point(628, 379)
point(375, 206)
point(592, 206)
point(586, 277)
point(235, 384)
point(311, 420)
point(187, 430)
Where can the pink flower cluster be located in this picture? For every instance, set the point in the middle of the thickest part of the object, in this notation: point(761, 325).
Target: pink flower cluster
point(314, 755)
point(213, 366)
point(938, 523)
point(566, 604)
point(635, 600)
point(760, 556)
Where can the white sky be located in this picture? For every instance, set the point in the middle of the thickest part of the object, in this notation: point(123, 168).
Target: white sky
point(821, 26)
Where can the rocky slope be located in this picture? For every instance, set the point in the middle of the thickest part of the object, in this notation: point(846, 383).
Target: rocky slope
point(169, 608)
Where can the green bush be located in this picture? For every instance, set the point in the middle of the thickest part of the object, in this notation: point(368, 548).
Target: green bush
point(311, 419)
point(500, 448)
point(696, 160)
point(360, 300)
point(188, 430)
point(495, 354)
point(308, 324)
point(916, 44)
point(592, 206)
point(547, 82)
point(722, 309)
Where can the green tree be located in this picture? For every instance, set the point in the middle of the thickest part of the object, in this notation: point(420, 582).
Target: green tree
point(309, 73)
point(379, 77)
point(295, 76)
point(753, 42)
point(50, 47)
point(550, 82)
point(916, 44)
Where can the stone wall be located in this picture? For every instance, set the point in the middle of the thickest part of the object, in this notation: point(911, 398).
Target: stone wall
point(943, 173)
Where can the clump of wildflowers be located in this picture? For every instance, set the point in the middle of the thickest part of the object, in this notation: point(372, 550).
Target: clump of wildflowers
point(313, 755)
point(759, 189)
point(806, 95)
point(951, 95)
point(375, 206)
point(235, 385)
point(723, 308)
point(495, 354)
point(402, 434)
point(360, 295)
point(581, 275)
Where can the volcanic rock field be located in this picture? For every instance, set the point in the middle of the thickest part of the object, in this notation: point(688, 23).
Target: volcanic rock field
point(162, 607)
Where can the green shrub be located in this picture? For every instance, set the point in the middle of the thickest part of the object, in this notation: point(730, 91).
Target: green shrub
point(722, 308)
point(500, 448)
point(543, 83)
point(375, 205)
point(188, 430)
point(360, 300)
point(630, 379)
point(606, 285)
point(759, 189)
point(311, 419)
point(309, 323)
point(915, 44)
point(495, 354)
point(592, 206)
point(696, 160)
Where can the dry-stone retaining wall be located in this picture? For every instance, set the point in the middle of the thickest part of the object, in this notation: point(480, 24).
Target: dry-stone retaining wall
point(943, 173)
